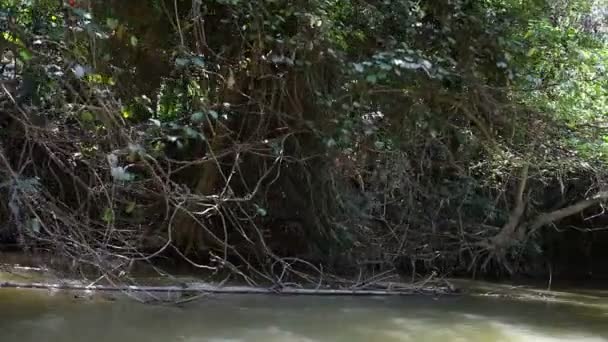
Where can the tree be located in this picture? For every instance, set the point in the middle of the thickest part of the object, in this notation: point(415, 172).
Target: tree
point(314, 135)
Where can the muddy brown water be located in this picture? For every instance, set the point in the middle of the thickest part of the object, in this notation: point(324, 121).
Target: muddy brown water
point(37, 316)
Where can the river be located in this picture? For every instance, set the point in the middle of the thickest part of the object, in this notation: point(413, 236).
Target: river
point(41, 316)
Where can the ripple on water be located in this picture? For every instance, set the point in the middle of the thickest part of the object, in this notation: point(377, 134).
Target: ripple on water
point(212, 339)
point(274, 333)
point(412, 330)
point(519, 334)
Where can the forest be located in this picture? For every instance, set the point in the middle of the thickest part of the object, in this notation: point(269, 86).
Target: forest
point(291, 140)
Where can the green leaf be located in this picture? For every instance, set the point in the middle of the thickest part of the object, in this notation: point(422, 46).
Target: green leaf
point(182, 62)
point(25, 55)
point(372, 78)
point(385, 66)
point(108, 215)
point(87, 116)
point(82, 13)
point(197, 117)
point(198, 61)
point(112, 23)
point(213, 114)
point(261, 211)
point(191, 133)
point(130, 207)
point(121, 174)
point(134, 41)
point(126, 112)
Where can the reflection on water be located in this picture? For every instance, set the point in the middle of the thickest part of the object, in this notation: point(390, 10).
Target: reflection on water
point(30, 316)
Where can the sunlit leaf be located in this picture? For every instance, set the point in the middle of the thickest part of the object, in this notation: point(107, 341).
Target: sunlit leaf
point(126, 112)
point(25, 55)
point(112, 23)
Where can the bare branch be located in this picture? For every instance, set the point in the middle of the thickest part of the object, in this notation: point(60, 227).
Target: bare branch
point(548, 218)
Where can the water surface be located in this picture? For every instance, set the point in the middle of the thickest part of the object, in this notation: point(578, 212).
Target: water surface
point(36, 316)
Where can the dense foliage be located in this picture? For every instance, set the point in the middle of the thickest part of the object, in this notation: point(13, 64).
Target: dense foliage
point(277, 138)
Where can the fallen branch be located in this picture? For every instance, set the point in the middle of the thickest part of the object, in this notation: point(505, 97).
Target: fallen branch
point(213, 289)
